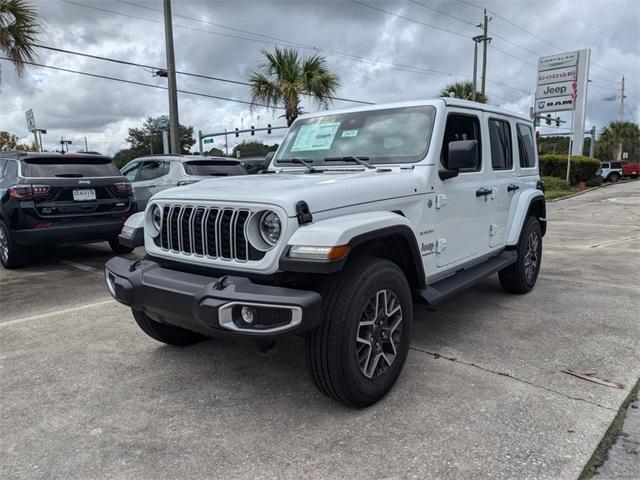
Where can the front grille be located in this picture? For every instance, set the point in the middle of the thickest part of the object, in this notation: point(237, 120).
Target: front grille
point(207, 231)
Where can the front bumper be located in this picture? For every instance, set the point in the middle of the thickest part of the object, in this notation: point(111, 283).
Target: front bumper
point(211, 306)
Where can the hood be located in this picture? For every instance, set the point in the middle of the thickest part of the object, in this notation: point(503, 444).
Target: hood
point(321, 191)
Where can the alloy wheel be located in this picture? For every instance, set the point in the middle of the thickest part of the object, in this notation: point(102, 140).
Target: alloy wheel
point(379, 333)
point(531, 256)
point(4, 245)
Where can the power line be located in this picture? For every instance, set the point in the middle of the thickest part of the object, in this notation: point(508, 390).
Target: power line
point(443, 13)
point(190, 74)
point(133, 82)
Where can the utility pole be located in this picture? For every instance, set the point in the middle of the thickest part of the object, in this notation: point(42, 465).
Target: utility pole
point(474, 82)
point(592, 143)
point(486, 40)
point(226, 143)
point(86, 145)
point(622, 100)
point(176, 146)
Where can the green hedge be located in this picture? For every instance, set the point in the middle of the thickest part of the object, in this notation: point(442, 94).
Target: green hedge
point(583, 169)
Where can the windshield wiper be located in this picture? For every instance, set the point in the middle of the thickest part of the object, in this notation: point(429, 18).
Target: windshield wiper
point(310, 168)
point(350, 158)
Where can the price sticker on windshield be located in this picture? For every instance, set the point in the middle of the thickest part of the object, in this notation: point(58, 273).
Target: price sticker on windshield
point(315, 137)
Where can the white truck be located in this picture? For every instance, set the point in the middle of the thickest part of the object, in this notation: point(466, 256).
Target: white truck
point(362, 211)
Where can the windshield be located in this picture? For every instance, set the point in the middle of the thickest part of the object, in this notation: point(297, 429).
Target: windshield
point(70, 167)
point(399, 135)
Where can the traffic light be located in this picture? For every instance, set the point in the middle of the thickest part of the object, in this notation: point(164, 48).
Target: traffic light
point(269, 128)
point(252, 130)
point(548, 120)
point(557, 121)
point(237, 134)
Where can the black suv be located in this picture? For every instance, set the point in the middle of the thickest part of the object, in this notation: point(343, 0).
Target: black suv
point(50, 199)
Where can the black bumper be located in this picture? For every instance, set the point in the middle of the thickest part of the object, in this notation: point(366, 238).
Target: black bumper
point(211, 305)
point(69, 233)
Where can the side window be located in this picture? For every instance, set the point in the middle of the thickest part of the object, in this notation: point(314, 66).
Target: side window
point(11, 170)
point(501, 147)
point(605, 165)
point(616, 165)
point(153, 169)
point(131, 172)
point(2, 163)
point(461, 127)
point(525, 146)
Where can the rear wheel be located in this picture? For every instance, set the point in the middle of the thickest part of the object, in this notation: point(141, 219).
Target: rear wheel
point(521, 276)
point(11, 256)
point(117, 247)
point(357, 353)
point(165, 333)
point(613, 177)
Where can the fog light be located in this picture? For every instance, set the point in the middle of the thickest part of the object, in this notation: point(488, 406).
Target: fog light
point(247, 314)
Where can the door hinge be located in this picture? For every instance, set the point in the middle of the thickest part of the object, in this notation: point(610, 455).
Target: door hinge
point(441, 245)
point(493, 229)
point(441, 200)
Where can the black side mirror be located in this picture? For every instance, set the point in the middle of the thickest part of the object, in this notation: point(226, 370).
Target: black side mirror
point(269, 156)
point(461, 154)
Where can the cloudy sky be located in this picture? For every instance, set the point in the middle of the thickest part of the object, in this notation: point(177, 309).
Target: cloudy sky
point(383, 51)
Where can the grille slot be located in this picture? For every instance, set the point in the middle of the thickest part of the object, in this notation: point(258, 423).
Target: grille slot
point(208, 231)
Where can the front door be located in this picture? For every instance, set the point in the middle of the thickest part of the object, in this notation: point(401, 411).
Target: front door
point(461, 203)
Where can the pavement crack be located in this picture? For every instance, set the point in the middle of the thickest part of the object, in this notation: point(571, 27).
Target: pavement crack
point(508, 375)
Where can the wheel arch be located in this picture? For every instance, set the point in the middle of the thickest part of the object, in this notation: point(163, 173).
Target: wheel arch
point(529, 203)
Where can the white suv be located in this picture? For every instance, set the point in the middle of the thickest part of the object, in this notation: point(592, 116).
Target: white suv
point(361, 211)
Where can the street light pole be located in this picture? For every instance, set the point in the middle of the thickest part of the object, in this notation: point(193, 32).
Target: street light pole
point(176, 146)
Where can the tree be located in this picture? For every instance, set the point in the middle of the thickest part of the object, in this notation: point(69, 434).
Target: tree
point(285, 76)
point(253, 148)
point(214, 152)
point(148, 140)
point(9, 141)
point(19, 28)
point(462, 90)
point(616, 135)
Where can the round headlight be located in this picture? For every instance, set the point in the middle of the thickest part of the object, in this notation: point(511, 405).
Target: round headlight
point(270, 227)
point(156, 217)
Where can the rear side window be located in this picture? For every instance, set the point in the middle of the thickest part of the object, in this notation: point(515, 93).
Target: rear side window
point(10, 169)
point(616, 165)
point(213, 168)
point(605, 165)
point(153, 169)
point(2, 163)
point(526, 147)
point(70, 167)
point(501, 148)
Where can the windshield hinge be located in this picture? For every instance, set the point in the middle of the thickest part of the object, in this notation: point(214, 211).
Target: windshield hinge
point(303, 213)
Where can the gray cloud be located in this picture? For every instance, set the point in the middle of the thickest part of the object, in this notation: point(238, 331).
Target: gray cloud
point(76, 106)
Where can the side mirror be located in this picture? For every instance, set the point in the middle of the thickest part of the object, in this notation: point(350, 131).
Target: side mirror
point(269, 156)
point(461, 154)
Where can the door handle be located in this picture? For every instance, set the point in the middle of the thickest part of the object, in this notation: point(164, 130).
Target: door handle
point(483, 192)
point(513, 187)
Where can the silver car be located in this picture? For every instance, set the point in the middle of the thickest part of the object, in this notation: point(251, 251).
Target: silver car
point(154, 173)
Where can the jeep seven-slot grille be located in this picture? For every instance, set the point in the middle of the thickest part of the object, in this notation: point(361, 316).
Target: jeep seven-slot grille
point(207, 231)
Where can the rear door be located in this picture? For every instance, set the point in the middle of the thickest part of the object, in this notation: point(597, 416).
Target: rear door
point(502, 176)
point(151, 179)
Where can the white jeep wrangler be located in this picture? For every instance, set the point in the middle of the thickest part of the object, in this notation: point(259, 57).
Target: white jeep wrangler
point(361, 211)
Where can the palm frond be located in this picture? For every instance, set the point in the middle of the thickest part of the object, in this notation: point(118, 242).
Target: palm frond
point(19, 28)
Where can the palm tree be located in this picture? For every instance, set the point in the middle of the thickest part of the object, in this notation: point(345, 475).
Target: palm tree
point(462, 90)
point(618, 137)
point(19, 27)
point(285, 76)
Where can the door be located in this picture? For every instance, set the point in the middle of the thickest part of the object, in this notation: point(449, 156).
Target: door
point(150, 181)
point(502, 177)
point(461, 204)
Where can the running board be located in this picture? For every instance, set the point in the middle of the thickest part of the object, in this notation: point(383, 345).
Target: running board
point(443, 289)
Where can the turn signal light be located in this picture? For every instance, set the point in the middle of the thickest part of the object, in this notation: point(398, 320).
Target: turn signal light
point(327, 254)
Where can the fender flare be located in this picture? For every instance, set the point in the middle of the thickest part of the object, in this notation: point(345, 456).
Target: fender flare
point(354, 230)
point(529, 201)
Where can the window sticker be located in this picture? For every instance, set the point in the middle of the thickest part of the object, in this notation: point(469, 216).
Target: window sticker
point(315, 137)
point(349, 133)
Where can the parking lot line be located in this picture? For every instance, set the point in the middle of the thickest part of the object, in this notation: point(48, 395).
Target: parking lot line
point(52, 313)
point(83, 267)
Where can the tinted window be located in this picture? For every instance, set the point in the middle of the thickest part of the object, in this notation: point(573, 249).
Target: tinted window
point(500, 139)
point(461, 127)
point(605, 165)
point(2, 162)
point(398, 135)
point(11, 169)
point(153, 169)
point(213, 168)
point(70, 167)
point(526, 146)
point(131, 171)
point(616, 165)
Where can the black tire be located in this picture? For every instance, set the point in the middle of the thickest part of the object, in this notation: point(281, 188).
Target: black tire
point(11, 255)
point(613, 177)
point(521, 276)
point(168, 334)
point(117, 247)
point(332, 349)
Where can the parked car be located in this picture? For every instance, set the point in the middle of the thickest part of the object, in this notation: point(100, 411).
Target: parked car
point(51, 199)
point(254, 165)
point(614, 171)
point(154, 173)
point(365, 209)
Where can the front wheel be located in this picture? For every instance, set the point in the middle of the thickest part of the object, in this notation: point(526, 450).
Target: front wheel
point(521, 276)
point(357, 352)
point(117, 247)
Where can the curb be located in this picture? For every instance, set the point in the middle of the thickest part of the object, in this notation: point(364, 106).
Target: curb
point(604, 185)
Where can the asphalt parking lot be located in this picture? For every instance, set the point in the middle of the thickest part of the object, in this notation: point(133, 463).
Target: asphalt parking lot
point(85, 394)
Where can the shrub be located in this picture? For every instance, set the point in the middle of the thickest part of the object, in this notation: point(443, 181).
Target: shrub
point(583, 169)
point(554, 183)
